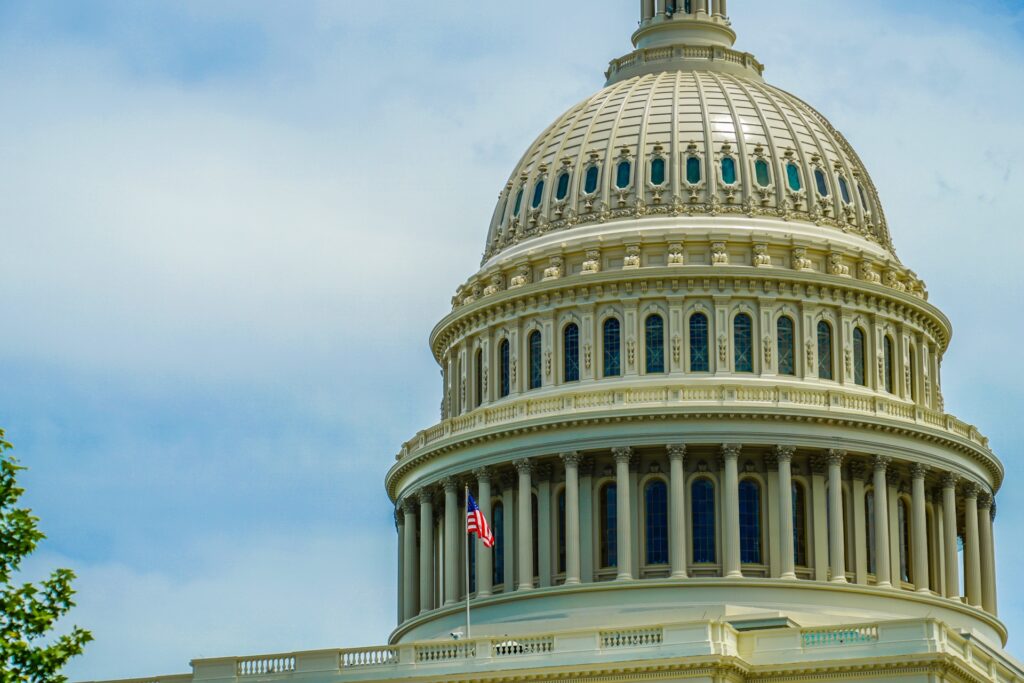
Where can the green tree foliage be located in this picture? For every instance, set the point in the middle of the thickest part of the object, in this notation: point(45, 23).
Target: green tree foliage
point(28, 612)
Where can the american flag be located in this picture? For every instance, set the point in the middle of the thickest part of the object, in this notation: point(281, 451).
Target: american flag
point(476, 523)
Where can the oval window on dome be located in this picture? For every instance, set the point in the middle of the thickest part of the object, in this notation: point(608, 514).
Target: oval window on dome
point(762, 173)
point(863, 199)
point(658, 171)
point(793, 175)
point(590, 183)
point(844, 189)
point(538, 194)
point(519, 203)
point(562, 191)
point(693, 172)
point(623, 172)
point(728, 170)
point(819, 180)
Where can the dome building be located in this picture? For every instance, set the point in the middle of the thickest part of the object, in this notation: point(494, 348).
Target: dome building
point(698, 397)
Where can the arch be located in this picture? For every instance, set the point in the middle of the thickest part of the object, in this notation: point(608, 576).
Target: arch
point(889, 368)
point(503, 361)
point(612, 341)
point(750, 521)
point(860, 348)
point(654, 337)
point(825, 364)
point(608, 526)
point(498, 529)
point(799, 524)
point(702, 519)
point(656, 522)
point(571, 353)
point(785, 337)
point(700, 357)
point(478, 378)
point(743, 343)
point(903, 527)
point(536, 360)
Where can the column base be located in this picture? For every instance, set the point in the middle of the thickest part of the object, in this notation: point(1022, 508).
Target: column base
point(841, 579)
point(734, 575)
point(789, 576)
point(571, 582)
point(624, 577)
point(679, 575)
point(883, 584)
point(524, 587)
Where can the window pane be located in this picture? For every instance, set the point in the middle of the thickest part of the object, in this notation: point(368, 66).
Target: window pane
point(890, 378)
point(844, 189)
point(824, 350)
point(656, 503)
point(728, 171)
point(478, 377)
point(819, 179)
point(869, 513)
point(563, 186)
point(764, 178)
point(693, 173)
point(519, 202)
point(793, 174)
point(859, 363)
point(572, 353)
point(658, 171)
point(863, 199)
point(743, 339)
point(498, 575)
point(536, 362)
point(703, 516)
point(699, 357)
point(590, 183)
point(622, 174)
point(904, 531)
point(750, 522)
point(503, 350)
point(799, 526)
point(787, 346)
point(612, 348)
point(655, 344)
point(538, 193)
point(609, 522)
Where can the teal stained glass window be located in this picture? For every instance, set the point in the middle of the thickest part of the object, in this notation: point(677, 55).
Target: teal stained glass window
point(728, 170)
point(693, 170)
point(609, 527)
point(799, 525)
point(793, 174)
point(750, 522)
point(536, 362)
point(702, 515)
point(844, 189)
point(762, 173)
point(612, 348)
point(821, 182)
point(825, 351)
point(655, 346)
point(538, 194)
point(786, 340)
point(590, 181)
point(562, 191)
point(503, 352)
point(623, 172)
point(743, 341)
point(571, 349)
point(890, 374)
point(700, 358)
point(519, 203)
point(859, 357)
point(658, 171)
point(656, 522)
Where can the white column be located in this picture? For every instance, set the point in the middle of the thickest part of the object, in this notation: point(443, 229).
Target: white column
point(883, 576)
point(525, 549)
point(410, 599)
point(837, 531)
point(572, 518)
point(400, 528)
point(950, 541)
point(785, 475)
point(677, 523)
point(484, 556)
point(988, 556)
point(919, 527)
point(624, 548)
point(972, 551)
point(731, 510)
point(452, 538)
point(426, 550)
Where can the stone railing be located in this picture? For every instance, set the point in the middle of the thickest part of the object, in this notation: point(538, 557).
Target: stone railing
point(834, 400)
point(262, 666)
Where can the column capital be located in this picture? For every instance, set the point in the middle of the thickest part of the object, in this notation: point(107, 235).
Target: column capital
point(918, 471)
point(949, 480)
point(524, 466)
point(409, 504)
point(571, 459)
point(818, 464)
point(985, 501)
point(731, 451)
point(425, 495)
point(784, 453)
point(892, 477)
point(482, 474)
point(881, 462)
point(622, 454)
point(971, 490)
point(450, 484)
point(993, 508)
point(835, 457)
point(676, 451)
point(857, 469)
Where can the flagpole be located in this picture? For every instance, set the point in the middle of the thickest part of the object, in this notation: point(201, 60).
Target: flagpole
point(469, 631)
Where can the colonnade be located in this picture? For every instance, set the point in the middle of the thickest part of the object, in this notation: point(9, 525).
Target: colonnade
point(860, 519)
point(651, 8)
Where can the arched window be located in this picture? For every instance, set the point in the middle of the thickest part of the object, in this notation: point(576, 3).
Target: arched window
point(793, 176)
point(869, 520)
point(890, 370)
point(612, 348)
point(821, 182)
point(743, 341)
point(903, 520)
point(561, 531)
point(478, 377)
point(656, 524)
point(799, 525)
point(750, 522)
point(590, 180)
point(825, 350)
point(498, 569)
point(655, 346)
point(623, 173)
point(693, 170)
point(609, 527)
point(700, 358)
point(658, 177)
point(859, 357)
point(519, 203)
point(538, 194)
point(786, 340)
point(536, 362)
point(762, 172)
point(913, 374)
point(844, 190)
point(728, 170)
point(503, 353)
point(562, 190)
point(702, 510)
point(571, 353)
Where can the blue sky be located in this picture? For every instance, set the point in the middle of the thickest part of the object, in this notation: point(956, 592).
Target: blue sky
point(227, 228)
